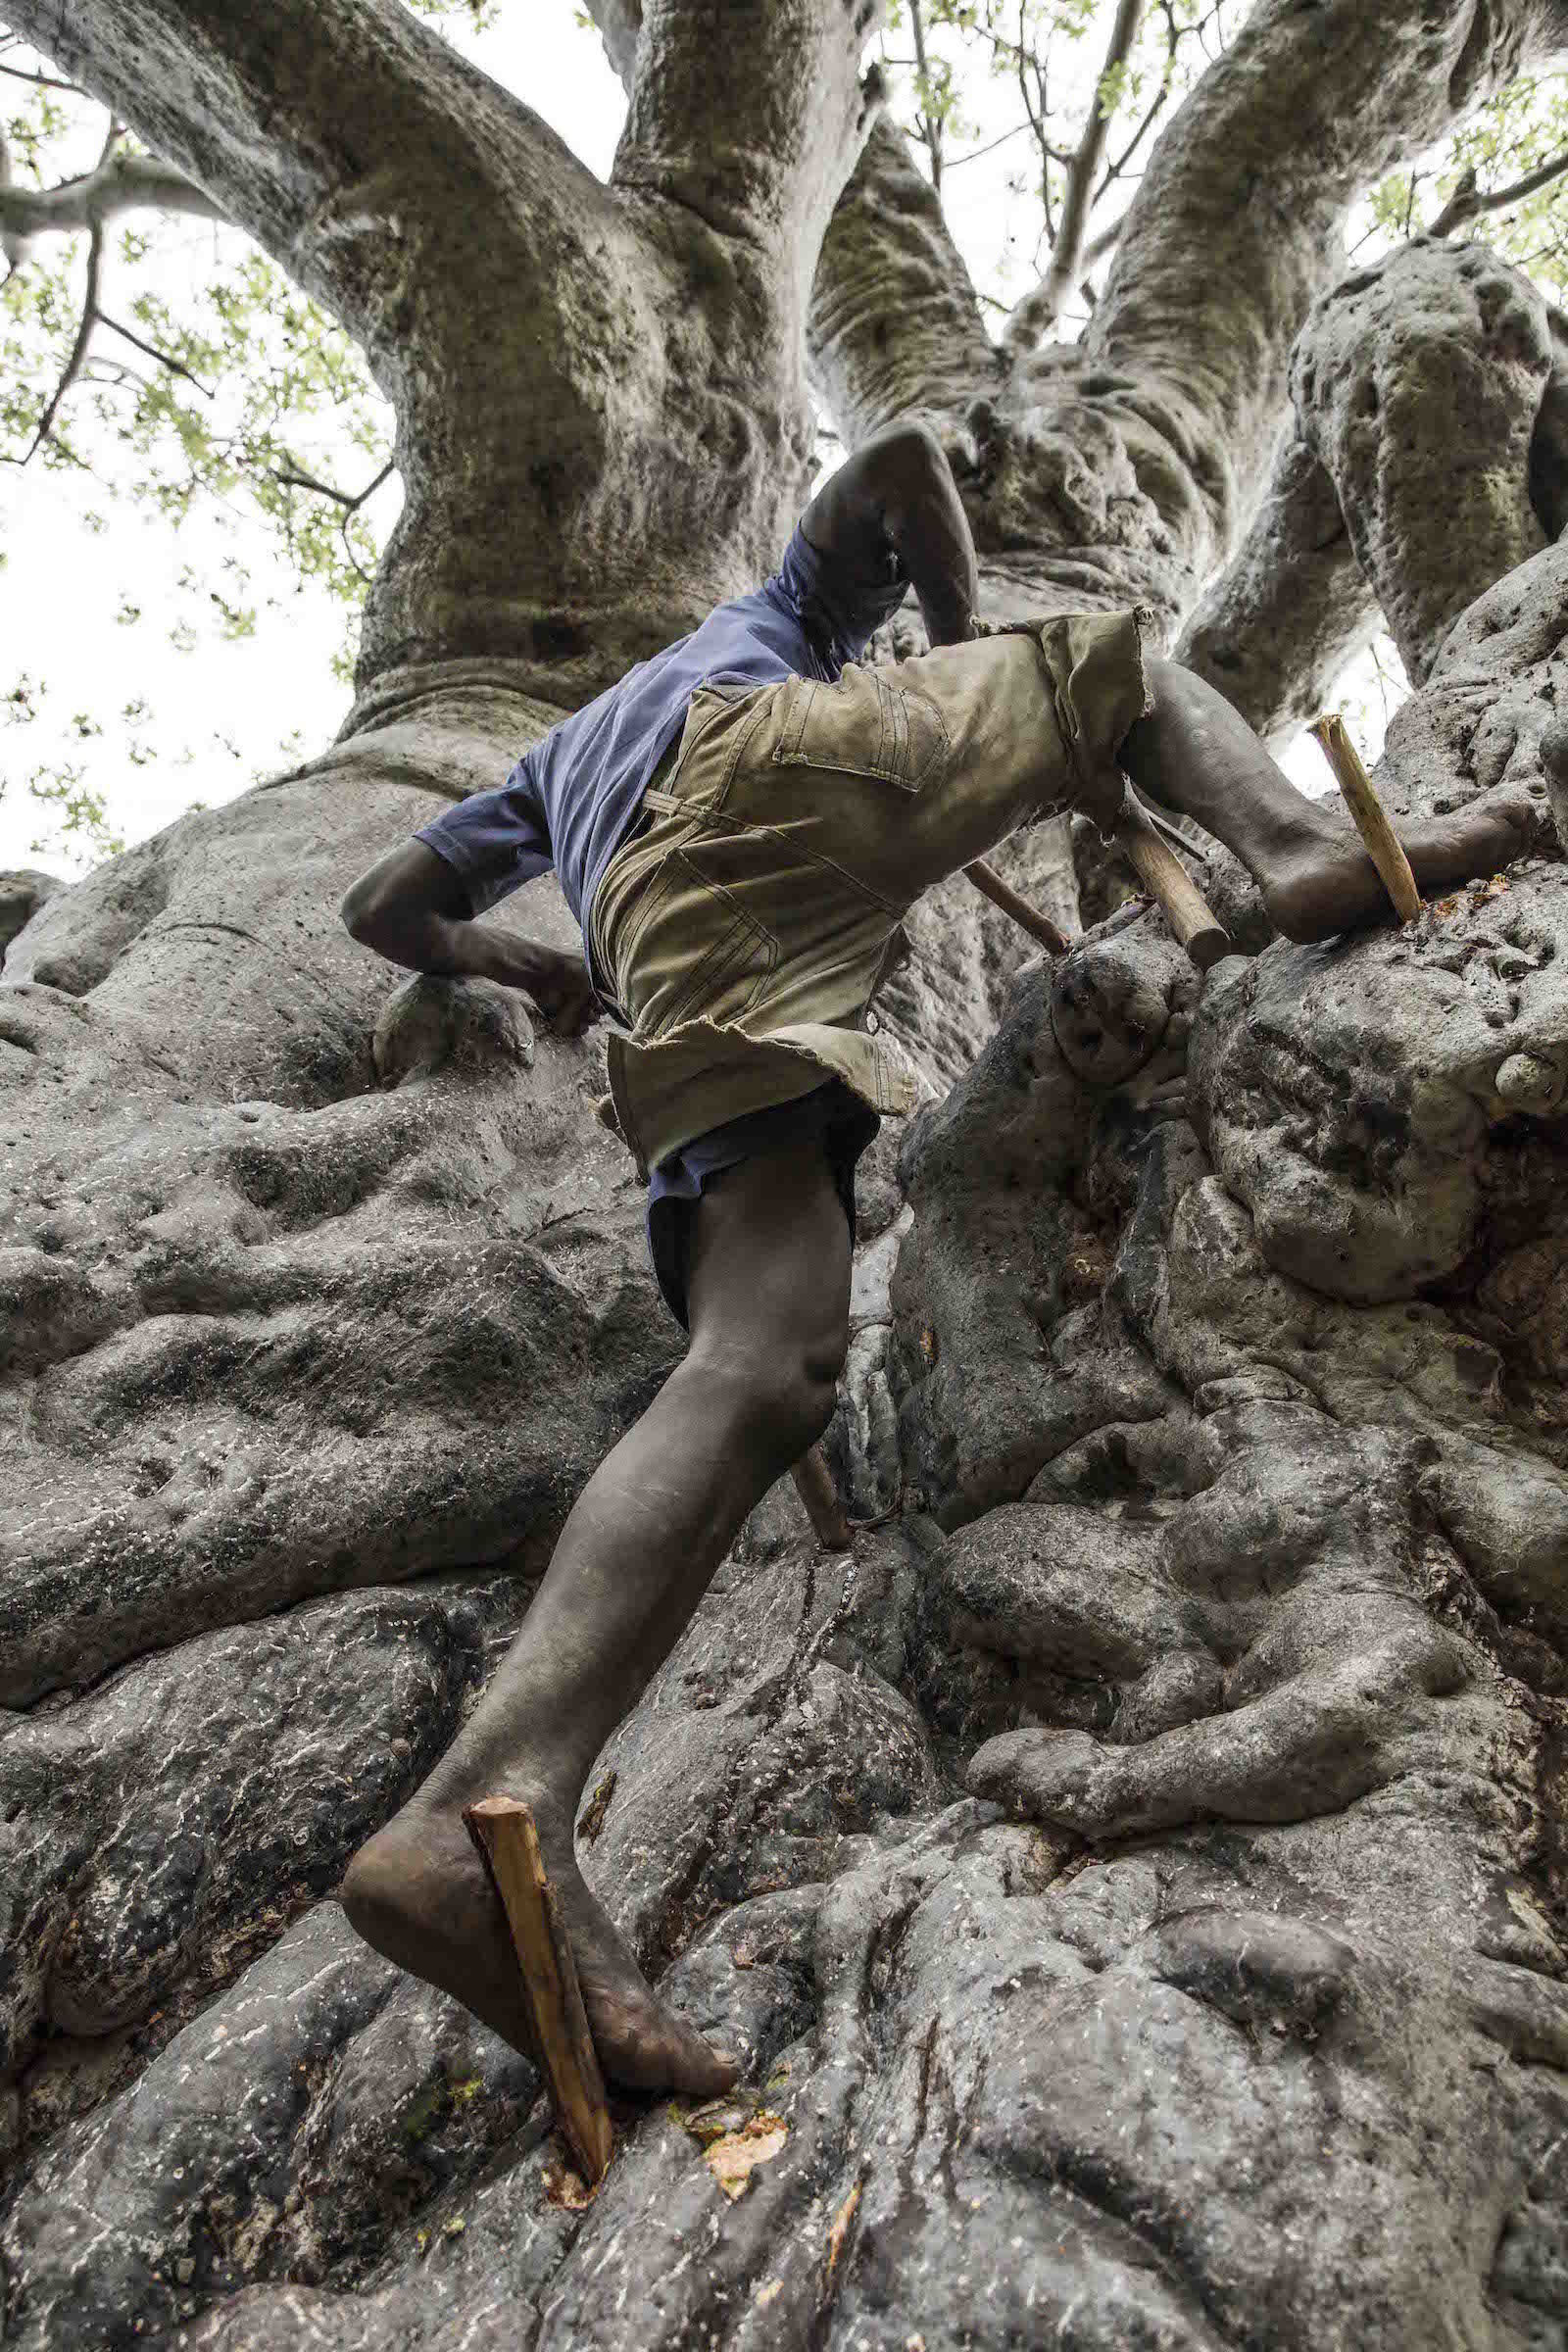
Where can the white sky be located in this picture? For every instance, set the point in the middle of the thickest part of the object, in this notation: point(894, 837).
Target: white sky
point(224, 713)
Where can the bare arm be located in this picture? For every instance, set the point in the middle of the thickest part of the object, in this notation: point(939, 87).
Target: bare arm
point(410, 907)
point(897, 490)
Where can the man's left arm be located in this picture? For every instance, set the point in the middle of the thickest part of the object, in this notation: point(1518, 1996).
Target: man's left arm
point(413, 909)
point(897, 492)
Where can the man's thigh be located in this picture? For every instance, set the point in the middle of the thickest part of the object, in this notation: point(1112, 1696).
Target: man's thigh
point(769, 1266)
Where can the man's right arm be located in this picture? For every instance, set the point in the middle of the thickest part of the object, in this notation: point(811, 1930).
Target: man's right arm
point(410, 907)
point(897, 491)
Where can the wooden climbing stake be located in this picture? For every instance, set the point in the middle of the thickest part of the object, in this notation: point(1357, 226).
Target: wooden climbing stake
point(503, 1829)
point(1165, 878)
point(1371, 818)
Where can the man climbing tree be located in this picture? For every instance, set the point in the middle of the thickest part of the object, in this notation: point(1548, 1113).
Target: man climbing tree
point(739, 826)
point(1230, 1569)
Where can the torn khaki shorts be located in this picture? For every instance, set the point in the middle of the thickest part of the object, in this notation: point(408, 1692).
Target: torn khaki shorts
point(745, 933)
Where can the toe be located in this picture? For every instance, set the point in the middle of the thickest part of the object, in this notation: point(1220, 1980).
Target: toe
point(704, 2071)
point(670, 2057)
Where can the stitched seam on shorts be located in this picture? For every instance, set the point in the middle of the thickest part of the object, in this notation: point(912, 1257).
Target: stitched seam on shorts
point(892, 706)
point(743, 740)
point(740, 933)
point(738, 826)
point(823, 973)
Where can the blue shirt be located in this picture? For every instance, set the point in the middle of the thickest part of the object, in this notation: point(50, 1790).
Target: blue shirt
point(573, 796)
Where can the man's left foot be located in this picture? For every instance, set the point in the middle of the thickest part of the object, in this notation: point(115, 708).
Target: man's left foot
point(420, 1893)
point(1330, 883)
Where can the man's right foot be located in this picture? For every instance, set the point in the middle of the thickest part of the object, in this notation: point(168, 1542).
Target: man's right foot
point(1328, 883)
point(420, 1893)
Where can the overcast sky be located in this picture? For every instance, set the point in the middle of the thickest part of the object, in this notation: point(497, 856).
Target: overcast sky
point(224, 713)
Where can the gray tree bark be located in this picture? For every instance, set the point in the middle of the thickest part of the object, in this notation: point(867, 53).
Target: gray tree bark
point(1135, 1880)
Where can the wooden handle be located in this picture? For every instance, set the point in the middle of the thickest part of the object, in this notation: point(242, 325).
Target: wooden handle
point(1165, 878)
point(1371, 818)
point(507, 1843)
point(813, 1484)
point(1029, 918)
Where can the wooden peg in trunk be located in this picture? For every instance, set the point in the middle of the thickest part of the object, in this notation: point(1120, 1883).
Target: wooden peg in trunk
point(507, 1843)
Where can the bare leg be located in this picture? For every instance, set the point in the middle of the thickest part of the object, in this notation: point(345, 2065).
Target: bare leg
point(1195, 755)
point(768, 1299)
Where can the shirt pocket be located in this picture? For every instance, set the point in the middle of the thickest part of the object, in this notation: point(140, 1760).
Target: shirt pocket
point(863, 725)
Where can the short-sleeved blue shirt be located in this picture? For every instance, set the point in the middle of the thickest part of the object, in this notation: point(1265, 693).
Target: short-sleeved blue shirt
point(572, 796)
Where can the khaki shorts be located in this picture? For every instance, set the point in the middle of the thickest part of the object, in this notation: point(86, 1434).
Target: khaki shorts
point(746, 931)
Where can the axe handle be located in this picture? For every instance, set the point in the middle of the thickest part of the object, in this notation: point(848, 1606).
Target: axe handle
point(1165, 878)
point(1029, 918)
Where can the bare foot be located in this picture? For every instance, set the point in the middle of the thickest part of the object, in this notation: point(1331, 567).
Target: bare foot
point(1329, 884)
point(419, 1894)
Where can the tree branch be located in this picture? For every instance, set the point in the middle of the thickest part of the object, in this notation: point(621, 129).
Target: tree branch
point(11, 244)
point(1237, 225)
point(294, 477)
point(930, 125)
point(1040, 309)
point(79, 349)
point(1418, 384)
point(1290, 610)
point(893, 323)
point(42, 81)
point(749, 115)
point(344, 135)
point(1118, 165)
point(164, 359)
point(620, 24)
point(1467, 201)
point(124, 183)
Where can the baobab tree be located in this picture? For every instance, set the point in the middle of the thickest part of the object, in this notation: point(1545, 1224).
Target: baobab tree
point(1135, 1880)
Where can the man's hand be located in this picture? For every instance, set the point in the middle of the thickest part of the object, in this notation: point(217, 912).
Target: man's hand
point(559, 986)
point(411, 909)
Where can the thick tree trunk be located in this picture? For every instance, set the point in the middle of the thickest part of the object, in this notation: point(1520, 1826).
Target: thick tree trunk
point(1220, 1383)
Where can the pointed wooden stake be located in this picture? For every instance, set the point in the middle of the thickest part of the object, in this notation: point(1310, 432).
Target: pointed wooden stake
point(1371, 818)
point(813, 1484)
point(508, 1843)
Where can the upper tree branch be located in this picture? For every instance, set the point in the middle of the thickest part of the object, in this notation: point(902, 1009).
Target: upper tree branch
point(1040, 309)
point(79, 348)
point(748, 115)
point(1467, 200)
point(1419, 383)
point(1293, 607)
point(619, 22)
point(124, 183)
point(930, 125)
point(894, 322)
point(344, 135)
point(1237, 225)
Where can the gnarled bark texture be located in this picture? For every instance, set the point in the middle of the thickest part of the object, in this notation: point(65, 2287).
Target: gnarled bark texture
point(1135, 1878)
